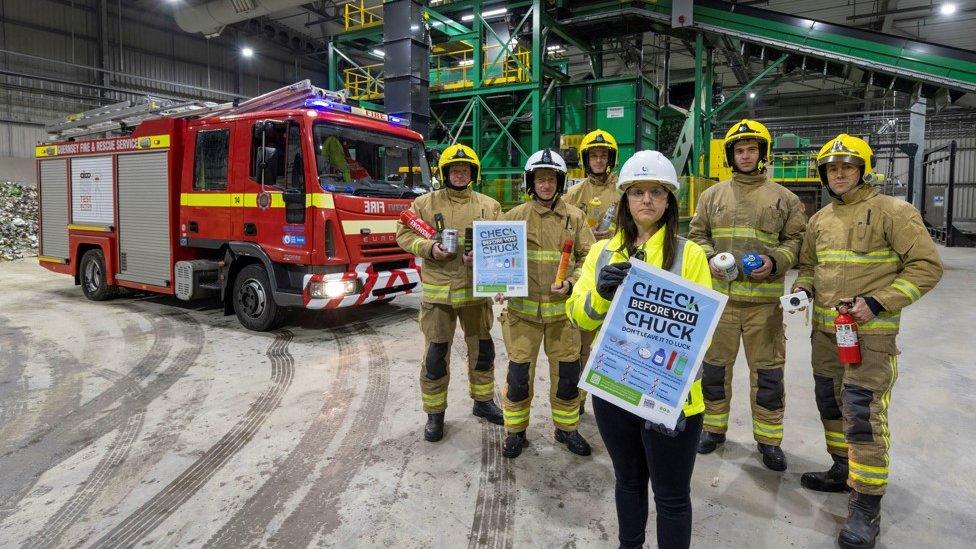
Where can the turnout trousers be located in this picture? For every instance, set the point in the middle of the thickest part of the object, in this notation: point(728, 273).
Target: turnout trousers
point(562, 342)
point(438, 322)
point(853, 402)
point(760, 327)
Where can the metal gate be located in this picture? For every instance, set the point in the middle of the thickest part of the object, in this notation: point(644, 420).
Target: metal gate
point(939, 193)
point(144, 224)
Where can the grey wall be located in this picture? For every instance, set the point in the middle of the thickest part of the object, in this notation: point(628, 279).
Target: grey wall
point(50, 50)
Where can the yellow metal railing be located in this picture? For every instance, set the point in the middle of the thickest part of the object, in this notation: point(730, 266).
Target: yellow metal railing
point(363, 83)
point(455, 70)
point(691, 189)
point(357, 16)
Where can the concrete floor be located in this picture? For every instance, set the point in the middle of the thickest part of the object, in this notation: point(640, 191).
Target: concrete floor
point(145, 420)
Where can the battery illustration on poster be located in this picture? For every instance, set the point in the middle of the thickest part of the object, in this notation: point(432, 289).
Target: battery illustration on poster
point(651, 345)
point(500, 259)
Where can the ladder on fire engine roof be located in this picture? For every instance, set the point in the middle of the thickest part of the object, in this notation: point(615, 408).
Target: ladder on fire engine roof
point(128, 114)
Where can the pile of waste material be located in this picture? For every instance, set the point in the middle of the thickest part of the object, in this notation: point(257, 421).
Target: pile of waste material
point(18, 221)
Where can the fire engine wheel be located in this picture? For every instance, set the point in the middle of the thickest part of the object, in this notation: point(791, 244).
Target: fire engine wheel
point(254, 300)
point(94, 280)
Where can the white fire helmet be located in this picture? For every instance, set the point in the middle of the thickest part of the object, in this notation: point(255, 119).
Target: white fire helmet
point(546, 158)
point(649, 166)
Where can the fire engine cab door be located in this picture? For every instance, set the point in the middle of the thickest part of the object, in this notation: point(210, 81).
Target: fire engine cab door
point(275, 212)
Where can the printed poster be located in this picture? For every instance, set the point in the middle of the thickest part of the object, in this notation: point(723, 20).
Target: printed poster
point(652, 343)
point(92, 190)
point(500, 259)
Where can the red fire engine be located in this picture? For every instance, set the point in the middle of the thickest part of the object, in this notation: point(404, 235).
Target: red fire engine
point(287, 200)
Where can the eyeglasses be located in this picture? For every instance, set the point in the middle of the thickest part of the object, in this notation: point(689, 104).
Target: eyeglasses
point(657, 193)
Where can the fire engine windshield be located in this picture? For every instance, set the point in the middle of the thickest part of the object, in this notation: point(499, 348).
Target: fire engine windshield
point(352, 161)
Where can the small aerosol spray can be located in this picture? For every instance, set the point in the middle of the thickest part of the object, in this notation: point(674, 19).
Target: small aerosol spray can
point(593, 212)
point(449, 240)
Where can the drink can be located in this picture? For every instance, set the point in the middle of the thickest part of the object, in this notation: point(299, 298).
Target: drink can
point(449, 240)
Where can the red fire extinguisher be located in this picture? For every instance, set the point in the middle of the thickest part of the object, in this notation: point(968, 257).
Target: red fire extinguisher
point(848, 348)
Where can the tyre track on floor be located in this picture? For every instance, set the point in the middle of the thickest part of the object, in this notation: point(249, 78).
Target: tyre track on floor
point(13, 385)
point(148, 516)
point(63, 396)
point(249, 524)
point(494, 514)
point(317, 513)
point(493, 523)
point(115, 454)
point(77, 429)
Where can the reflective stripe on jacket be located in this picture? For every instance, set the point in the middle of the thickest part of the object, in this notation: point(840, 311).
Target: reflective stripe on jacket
point(447, 282)
point(546, 230)
point(867, 245)
point(587, 309)
point(750, 213)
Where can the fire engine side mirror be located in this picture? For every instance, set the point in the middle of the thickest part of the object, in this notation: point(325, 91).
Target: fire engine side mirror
point(265, 157)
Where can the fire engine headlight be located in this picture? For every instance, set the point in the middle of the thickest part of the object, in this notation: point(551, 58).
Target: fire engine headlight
point(332, 289)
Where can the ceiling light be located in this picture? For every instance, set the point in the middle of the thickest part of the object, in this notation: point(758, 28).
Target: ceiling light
point(378, 53)
point(752, 95)
point(465, 62)
point(947, 9)
point(484, 14)
point(247, 52)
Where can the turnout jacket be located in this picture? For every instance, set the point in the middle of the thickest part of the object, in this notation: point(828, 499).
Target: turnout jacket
point(447, 282)
point(870, 245)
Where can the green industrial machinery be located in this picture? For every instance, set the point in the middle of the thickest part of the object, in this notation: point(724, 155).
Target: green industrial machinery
point(497, 81)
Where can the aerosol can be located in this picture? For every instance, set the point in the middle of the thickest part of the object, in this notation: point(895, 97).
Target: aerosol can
point(848, 348)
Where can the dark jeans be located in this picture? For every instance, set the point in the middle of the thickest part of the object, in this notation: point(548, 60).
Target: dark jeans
point(640, 455)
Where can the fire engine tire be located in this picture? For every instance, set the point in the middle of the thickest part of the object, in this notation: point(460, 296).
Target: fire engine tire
point(254, 300)
point(94, 278)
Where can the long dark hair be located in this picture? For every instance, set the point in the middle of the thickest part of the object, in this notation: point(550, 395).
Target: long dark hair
point(627, 225)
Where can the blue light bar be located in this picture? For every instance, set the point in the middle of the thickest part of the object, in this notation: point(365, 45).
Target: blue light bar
point(325, 104)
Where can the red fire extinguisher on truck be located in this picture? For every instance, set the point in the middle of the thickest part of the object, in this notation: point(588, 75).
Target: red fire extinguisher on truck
point(848, 348)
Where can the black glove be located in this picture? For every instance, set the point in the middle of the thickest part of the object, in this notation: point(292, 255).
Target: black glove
point(661, 429)
point(610, 277)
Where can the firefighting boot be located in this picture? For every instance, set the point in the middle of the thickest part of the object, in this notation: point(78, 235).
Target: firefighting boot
point(773, 457)
point(574, 442)
point(513, 444)
point(863, 522)
point(488, 410)
point(709, 442)
point(832, 480)
point(434, 430)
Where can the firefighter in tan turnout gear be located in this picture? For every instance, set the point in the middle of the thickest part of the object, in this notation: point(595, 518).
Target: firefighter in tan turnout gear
point(748, 213)
point(873, 253)
point(595, 195)
point(447, 291)
point(540, 318)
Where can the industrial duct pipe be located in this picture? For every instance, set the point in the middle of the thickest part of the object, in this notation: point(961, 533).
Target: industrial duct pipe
point(211, 18)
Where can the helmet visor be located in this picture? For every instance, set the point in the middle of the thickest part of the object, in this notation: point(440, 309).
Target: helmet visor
point(842, 157)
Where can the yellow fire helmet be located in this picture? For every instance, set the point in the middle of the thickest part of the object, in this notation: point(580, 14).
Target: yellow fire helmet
point(748, 129)
point(458, 153)
point(850, 149)
point(598, 138)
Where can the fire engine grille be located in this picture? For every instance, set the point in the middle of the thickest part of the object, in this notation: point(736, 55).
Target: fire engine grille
point(401, 288)
point(391, 265)
point(386, 248)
